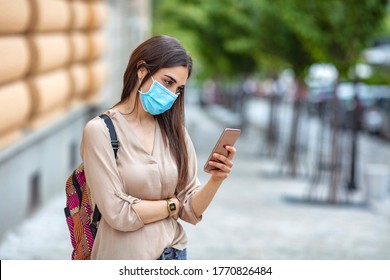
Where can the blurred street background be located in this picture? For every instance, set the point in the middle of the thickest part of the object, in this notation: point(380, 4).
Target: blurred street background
point(308, 83)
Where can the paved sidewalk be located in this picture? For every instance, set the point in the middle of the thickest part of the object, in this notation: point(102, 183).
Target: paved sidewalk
point(255, 215)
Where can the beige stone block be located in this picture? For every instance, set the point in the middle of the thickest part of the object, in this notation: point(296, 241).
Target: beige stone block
point(98, 13)
point(49, 91)
point(81, 15)
point(98, 76)
point(15, 16)
point(93, 99)
point(15, 58)
point(80, 80)
point(97, 44)
point(49, 51)
point(15, 106)
point(10, 137)
point(80, 45)
point(47, 118)
point(50, 15)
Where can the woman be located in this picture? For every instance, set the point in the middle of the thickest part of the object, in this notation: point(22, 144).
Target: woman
point(153, 181)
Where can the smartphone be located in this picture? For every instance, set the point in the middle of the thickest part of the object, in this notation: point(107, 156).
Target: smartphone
point(228, 137)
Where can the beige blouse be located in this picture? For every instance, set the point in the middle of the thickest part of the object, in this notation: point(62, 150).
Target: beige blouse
point(118, 184)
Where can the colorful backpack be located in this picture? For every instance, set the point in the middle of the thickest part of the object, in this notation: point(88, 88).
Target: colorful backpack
point(82, 224)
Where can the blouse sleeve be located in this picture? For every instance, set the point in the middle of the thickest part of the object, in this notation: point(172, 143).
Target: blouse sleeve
point(104, 179)
point(185, 195)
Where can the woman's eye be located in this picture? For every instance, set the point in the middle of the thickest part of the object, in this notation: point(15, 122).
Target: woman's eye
point(168, 82)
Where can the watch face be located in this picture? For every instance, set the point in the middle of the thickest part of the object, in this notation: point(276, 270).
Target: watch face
point(172, 206)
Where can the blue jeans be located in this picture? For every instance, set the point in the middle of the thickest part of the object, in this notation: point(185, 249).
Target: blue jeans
point(173, 254)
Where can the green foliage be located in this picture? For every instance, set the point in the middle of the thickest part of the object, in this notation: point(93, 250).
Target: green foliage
point(384, 30)
point(380, 76)
point(210, 34)
point(277, 43)
point(233, 38)
point(334, 31)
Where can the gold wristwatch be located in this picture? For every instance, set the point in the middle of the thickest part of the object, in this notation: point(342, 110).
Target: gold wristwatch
point(171, 207)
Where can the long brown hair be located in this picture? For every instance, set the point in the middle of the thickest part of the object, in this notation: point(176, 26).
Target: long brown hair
point(163, 52)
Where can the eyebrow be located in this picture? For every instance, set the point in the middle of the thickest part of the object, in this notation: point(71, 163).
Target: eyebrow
point(170, 77)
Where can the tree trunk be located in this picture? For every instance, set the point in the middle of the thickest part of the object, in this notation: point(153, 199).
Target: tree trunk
point(295, 125)
point(272, 129)
point(335, 148)
point(356, 117)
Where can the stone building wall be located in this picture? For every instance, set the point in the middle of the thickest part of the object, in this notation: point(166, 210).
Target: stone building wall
point(61, 64)
point(51, 60)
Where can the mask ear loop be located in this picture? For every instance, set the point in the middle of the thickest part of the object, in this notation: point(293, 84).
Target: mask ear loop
point(140, 80)
point(140, 84)
point(150, 73)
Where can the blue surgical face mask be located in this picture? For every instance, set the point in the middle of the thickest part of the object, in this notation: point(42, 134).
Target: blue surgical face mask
point(158, 99)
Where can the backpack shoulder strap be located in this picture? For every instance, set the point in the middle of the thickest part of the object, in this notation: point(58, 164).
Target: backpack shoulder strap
point(111, 129)
point(115, 146)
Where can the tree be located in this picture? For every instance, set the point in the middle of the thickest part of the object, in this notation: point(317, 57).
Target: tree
point(279, 45)
point(215, 31)
point(336, 32)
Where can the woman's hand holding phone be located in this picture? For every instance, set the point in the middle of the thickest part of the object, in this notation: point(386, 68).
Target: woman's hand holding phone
point(222, 165)
point(220, 161)
point(219, 164)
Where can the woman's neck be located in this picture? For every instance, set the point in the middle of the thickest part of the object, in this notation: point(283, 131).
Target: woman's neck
point(133, 111)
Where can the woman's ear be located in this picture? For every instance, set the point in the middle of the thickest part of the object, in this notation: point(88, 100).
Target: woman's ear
point(141, 70)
